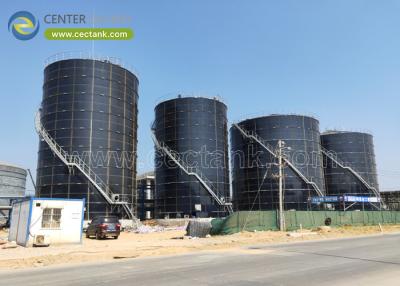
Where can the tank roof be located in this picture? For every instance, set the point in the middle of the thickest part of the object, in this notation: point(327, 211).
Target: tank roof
point(180, 96)
point(145, 175)
point(2, 163)
point(333, 132)
point(280, 115)
point(85, 55)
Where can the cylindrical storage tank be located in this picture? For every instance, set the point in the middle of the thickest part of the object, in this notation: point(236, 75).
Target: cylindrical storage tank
point(145, 196)
point(90, 108)
point(12, 185)
point(195, 128)
point(355, 150)
point(255, 172)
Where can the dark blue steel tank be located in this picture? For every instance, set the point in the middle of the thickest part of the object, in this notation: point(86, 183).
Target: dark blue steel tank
point(356, 150)
point(255, 180)
point(90, 108)
point(195, 128)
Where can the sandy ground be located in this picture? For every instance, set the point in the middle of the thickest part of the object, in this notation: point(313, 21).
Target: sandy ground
point(131, 245)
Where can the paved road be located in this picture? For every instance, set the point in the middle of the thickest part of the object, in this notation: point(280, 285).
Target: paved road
point(359, 261)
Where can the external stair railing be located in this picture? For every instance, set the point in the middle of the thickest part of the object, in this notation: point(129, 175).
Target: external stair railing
point(75, 161)
point(193, 171)
point(270, 149)
point(346, 166)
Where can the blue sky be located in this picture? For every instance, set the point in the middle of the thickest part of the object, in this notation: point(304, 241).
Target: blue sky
point(336, 60)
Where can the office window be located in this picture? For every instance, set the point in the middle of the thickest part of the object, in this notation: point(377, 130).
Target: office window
point(51, 218)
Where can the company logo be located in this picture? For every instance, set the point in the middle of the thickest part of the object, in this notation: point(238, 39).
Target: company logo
point(23, 25)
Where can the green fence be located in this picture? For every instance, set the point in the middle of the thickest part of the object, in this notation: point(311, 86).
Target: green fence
point(245, 221)
point(268, 220)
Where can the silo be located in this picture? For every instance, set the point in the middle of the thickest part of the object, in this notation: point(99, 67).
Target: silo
point(255, 180)
point(89, 108)
point(350, 166)
point(12, 186)
point(145, 196)
point(193, 132)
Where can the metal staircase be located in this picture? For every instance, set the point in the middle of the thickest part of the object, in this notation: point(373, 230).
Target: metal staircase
point(270, 149)
point(75, 161)
point(193, 171)
point(349, 168)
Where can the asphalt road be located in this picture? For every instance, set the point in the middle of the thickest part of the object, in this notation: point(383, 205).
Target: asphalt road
point(358, 261)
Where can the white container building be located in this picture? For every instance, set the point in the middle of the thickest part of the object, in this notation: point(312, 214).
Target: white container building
point(44, 221)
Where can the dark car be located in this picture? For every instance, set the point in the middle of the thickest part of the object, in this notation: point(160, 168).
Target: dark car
point(104, 226)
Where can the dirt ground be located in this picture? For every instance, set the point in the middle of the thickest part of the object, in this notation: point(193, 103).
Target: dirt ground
point(131, 245)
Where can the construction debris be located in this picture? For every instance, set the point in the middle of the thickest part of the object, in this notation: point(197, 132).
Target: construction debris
point(197, 228)
point(324, 228)
point(148, 229)
point(11, 244)
point(300, 234)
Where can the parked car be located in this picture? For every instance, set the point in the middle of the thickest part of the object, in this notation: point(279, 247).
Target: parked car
point(104, 226)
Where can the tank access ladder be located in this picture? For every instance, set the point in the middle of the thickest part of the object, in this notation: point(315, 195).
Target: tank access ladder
point(347, 167)
point(192, 171)
point(269, 148)
point(75, 161)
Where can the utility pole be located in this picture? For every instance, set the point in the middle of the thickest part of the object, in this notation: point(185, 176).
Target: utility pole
point(33, 181)
point(280, 159)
